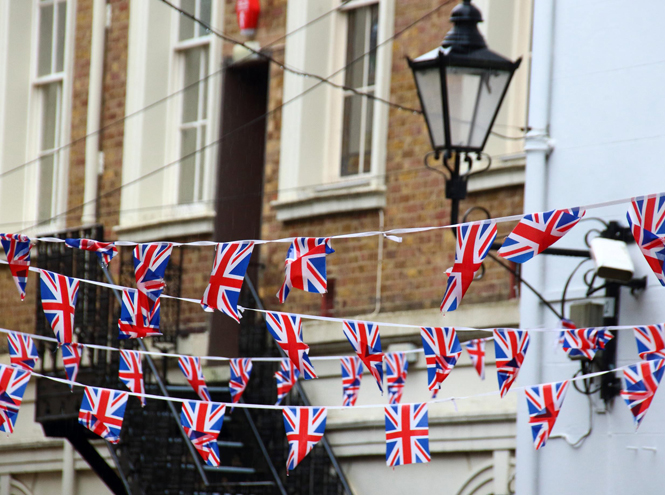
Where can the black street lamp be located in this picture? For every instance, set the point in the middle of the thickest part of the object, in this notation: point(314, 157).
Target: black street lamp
point(461, 85)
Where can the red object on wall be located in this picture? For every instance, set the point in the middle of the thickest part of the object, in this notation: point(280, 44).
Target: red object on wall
point(248, 16)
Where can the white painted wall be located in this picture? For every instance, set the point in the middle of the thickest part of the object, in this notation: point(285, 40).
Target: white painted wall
point(605, 119)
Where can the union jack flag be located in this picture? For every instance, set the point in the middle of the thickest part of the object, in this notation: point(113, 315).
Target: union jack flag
point(150, 261)
point(102, 412)
point(202, 421)
point(59, 295)
point(640, 382)
point(538, 231)
point(396, 369)
point(191, 368)
point(71, 360)
point(442, 350)
point(650, 341)
point(228, 272)
point(407, 434)
point(131, 372)
point(510, 347)
point(22, 351)
point(286, 378)
point(106, 251)
point(304, 427)
point(476, 350)
point(585, 342)
point(646, 219)
point(240, 371)
point(135, 320)
point(305, 266)
point(544, 403)
point(287, 332)
point(473, 243)
point(366, 341)
point(17, 250)
point(13, 382)
point(352, 374)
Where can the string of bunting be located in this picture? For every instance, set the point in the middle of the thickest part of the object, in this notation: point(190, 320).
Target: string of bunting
point(305, 269)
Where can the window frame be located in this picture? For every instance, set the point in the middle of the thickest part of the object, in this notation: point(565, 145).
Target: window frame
point(34, 151)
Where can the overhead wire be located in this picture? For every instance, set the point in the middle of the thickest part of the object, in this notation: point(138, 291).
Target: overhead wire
point(237, 129)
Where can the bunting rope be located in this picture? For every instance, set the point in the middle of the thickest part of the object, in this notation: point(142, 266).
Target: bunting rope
point(339, 408)
point(392, 234)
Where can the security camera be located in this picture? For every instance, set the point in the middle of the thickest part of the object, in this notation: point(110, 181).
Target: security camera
point(612, 259)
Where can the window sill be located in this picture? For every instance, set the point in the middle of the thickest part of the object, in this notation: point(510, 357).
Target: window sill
point(167, 229)
point(505, 172)
point(335, 198)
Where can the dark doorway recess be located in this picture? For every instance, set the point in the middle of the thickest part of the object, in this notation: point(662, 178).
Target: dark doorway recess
point(240, 175)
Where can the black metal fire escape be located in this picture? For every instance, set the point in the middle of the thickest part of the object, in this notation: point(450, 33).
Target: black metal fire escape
point(153, 455)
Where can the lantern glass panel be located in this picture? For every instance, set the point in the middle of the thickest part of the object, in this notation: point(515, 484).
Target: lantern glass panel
point(474, 96)
point(429, 87)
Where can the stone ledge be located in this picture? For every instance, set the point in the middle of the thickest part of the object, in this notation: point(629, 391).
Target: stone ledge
point(163, 229)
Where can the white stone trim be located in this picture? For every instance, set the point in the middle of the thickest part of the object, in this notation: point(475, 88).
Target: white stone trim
point(179, 226)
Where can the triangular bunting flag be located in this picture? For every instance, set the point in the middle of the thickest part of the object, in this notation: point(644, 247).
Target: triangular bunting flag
point(510, 347)
point(476, 350)
point(131, 372)
point(150, 262)
point(305, 266)
point(59, 294)
point(191, 368)
point(646, 219)
point(105, 251)
point(650, 341)
point(13, 382)
point(352, 374)
point(287, 332)
point(407, 434)
point(17, 250)
point(22, 351)
point(202, 422)
point(241, 369)
point(228, 272)
point(442, 350)
point(397, 368)
point(473, 243)
point(136, 321)
point(102, 412)
point(640, 382)
point(544, 403)
point(304, 427)
point(71, 360)
point(585, 342)
point(366, 341)
point(538, 231)
point(286, 378)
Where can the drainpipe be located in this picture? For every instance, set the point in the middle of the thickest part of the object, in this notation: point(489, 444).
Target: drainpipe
point(95, 88)
point(538, 146)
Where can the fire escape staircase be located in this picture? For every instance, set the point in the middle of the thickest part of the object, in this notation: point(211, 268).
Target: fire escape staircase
point(154, 455)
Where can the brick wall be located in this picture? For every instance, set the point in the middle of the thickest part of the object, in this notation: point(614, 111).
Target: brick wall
point(413, 271)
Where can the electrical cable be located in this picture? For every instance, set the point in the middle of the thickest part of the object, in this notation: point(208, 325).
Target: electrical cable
point(233, 131)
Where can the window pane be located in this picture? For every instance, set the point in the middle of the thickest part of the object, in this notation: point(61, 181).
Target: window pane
point(187, 166)
point(46, 173)
point(45, 39)
point(50, 97)
point(351, 135)
point(369, 108)
point(201, 161)
point(355, 47)
point(373, 37)
point(190, 101)
point(205, 14)
point(186, 24)
point(204, 84)
point(60, 39)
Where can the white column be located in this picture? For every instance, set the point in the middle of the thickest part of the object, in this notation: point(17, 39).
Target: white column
point(94, 110)
point(538, 146)
point(501, 471)
point(5, 484)
point(68, 470)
